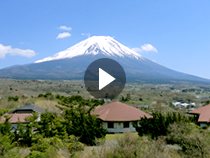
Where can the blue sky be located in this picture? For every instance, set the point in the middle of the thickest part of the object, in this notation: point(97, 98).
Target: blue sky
point(178, 31)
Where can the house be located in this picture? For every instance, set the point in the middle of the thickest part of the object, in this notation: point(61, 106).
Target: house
point(203, 114)
point(21, 113)
point(181, 103)
point(118, 117)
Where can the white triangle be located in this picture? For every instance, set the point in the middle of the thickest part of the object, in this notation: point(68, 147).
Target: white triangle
point(104, 78)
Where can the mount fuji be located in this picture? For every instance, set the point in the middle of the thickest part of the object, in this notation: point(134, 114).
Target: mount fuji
point(95, 45)
point(71, 64)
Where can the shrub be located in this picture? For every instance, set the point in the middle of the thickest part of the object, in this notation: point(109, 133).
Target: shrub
point(13, 98)
point(129, 145)
point(41, 95)
point(128, 98)
point(5, 144)
point(73, 144)
point(42, 145)
point(24, 97)
point(58, 96)
point(158, 125)
point(49, 96)
point(56, 142)
point(193, 140)
point(52, 152)
point(3, 111)
point(36, 154)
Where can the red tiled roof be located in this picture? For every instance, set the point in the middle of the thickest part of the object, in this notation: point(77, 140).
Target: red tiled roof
point(15, 117)
point(204, 113)
point(117, 111)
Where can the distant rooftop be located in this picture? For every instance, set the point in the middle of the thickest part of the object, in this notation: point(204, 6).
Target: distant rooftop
point(29, 108)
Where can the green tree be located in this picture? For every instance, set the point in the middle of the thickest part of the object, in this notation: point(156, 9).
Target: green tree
point(79, 121)
point(50, 125)
point(3, 111)
point(5, 144)
point(24, 134)
point(5, 127)
point(158, 125)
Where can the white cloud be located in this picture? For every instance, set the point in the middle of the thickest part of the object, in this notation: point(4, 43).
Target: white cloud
point(63, 35)
point(137, 49)
point(65, 28)
point(86, 34)
point(15, 51)
point(145, 48)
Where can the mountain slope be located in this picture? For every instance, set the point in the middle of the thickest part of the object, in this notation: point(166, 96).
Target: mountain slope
point(72, 63)
point(93, 46)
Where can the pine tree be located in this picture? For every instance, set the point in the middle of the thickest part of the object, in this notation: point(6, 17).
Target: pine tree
point(79, 121)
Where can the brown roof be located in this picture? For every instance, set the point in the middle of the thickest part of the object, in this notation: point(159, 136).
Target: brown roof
point(15, 117)
point(203, 112)
point(117, 111)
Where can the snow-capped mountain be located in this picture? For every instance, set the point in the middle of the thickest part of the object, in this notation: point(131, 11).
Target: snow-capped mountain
point(71, 64)
point(93, 46)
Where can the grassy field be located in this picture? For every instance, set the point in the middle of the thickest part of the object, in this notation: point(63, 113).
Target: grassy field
point(139, 94)
point(110, 137)
point(114, 136)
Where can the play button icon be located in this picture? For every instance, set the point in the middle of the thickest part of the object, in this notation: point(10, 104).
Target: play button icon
point(105, 78)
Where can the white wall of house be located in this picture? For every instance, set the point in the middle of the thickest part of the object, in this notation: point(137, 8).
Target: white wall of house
point(118, 127)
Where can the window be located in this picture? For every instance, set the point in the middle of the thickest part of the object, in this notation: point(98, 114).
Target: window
point(110, 124)
point(125, 124)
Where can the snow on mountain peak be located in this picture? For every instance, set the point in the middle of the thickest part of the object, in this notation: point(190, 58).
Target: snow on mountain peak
point(95, 45)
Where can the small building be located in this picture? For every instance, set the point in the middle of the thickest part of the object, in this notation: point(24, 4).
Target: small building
point(19, 114)
point(117, 117)
point(203, 114)
point(182, 104)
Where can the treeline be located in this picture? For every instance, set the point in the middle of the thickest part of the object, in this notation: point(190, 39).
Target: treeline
point(75, 126)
